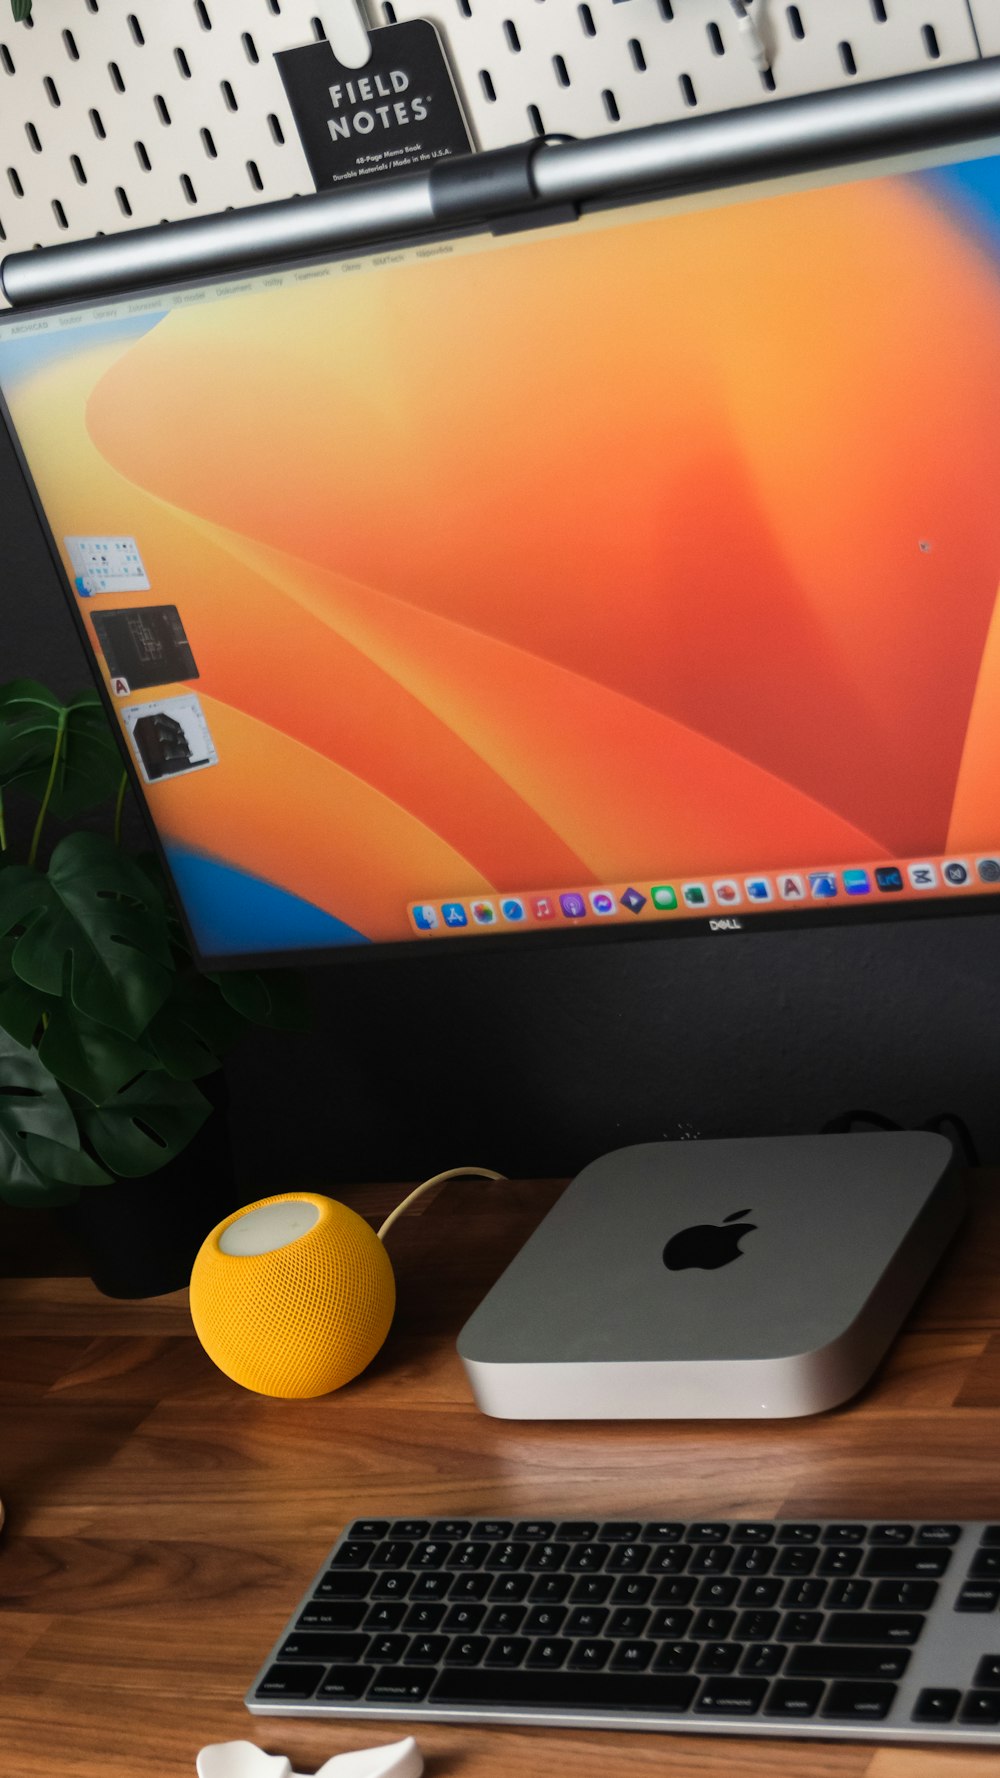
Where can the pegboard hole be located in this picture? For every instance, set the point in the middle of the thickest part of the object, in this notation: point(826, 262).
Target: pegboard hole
point(535, 120)
point(465, 8)
point(847, 61)
point(229, 95)
point(254, 174)
point(143, 158)
point(3, 232)
point(611, 105)
point(201, 11)
point(390, 13)
point(6, 59)
point(208, 144)
point(250, 49)
point(486, 82)
point(183, 65)
point(586, 18)
point(162, 109)
point(34, 138)
point(274, 6)
point(78, 172)
point(136, 30)
point(93, 5)
point(562, 72)
point(767, 80)
point(879, 13)
point(59, 213)
point(715, 42)
point(931, 44)
point(117, 79)
point(15, 182)
point(123, 204)
point(636, 52)
point(666, 11)
point(97, 124)
point(187, 187)
point(319, 30)
point(688, 93)
point(510, 32)
point(277, 133)
point(69, 45)
point(795, 24)
point(51, 91)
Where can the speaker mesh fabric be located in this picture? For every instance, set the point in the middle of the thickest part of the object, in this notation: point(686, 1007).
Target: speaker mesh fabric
point(302, 1319)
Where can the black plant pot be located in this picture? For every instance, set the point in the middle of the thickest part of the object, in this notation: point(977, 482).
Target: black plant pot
point(139, 1237)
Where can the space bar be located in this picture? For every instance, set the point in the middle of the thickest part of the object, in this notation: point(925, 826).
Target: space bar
point(576, 1691)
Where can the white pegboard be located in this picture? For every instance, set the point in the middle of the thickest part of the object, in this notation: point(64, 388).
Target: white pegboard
point(119, 113)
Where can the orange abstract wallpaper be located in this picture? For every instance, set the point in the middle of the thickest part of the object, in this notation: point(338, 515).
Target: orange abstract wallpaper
point(643, 550)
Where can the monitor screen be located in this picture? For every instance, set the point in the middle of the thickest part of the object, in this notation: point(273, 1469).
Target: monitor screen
point(635, 574)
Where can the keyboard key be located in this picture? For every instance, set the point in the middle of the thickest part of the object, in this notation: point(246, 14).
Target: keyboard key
point(903, 1595)
point(464, 1586)
point(289, 1680)
point(305, 1645)
point(846, 1533)
point(387, 1616)
point(985, 1565)
point(793, 1697)
point(840, 1561)
point(663, 1531)
point(392, 1586)
point(633, 1656)
point(452, 1530)
point(410, 1528)
point(548, 1654)
point(671, 1623)
point(763, 1593)
point(718, 1657)
point(629, 1558)
point(798, 1533)
point(578, 1530)
point(394, 1554)
point(753, 1558)
point(512, 1587)
point(988, 1671)
point(425, 1650)
point(991, 1534)
point(799, 1559)
point(429, 1555)
point(546, 1557)
point(711, 1626)
point(505, 1620)
point(632, 1589)
point(978, 1595)
point(819, 1660)
point(495, 1530)
point(892, 1534)
point(466, 1651)
point(799, 1626)
point(753, 1532)
point(369, 1530)
point(387, 1648)
point(860, 1626)
point(545, 1620)
point(591, 1589)
point(399, 1685)
point(803, 1595)
point(674, 1657)
point(707, 1533)
point(935, 1704)
point(619, 1531)
point(665, 1693)
point(854, 1701)
point(731, 1697)
point(343, 1685)
point(344, 1583)
point(980, 1706)
point(550, 1589)
point(464, 1618)
point(587, 1621)
point(592, 1655)
point(587, 1558)
point(535, 1530)
point(352, 1553)
point(918, 1563)
point(947, 1534)
point(505, 1557)
point(764, 1657)
point(669, 1558)
point(717, 1592)
point(507, 1651)
point(335, 1614)
point(676, 1591)
point(434, 1585)
point(631, 1621)
point(424, 1617)
point(847, 1595)
point(468, 1555)
point(710, 1558)
point(756, 1626)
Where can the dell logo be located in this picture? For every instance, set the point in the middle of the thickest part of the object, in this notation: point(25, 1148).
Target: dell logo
point(727, 925)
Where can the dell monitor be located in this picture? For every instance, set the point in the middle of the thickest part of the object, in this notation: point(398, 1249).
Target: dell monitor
point(620, 570)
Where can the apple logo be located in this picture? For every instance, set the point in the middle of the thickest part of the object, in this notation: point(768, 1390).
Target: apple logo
point(708, 1245)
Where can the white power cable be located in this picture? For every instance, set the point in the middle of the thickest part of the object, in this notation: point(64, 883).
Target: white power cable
point(749, 31)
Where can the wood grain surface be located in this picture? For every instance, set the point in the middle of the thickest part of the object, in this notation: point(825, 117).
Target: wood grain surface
point(162, 1523)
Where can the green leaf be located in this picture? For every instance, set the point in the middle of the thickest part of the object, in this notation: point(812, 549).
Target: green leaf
point(277, 998)
point(97, 919)
point(21, 1007)
point(66, 1168)
point(146, 1124)
point(194, 1028)
point(93, 1059)
point(90, 765)
point(21, 9)
point(32, 1111)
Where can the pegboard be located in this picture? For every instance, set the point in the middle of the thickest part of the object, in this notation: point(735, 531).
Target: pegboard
point(119, 113)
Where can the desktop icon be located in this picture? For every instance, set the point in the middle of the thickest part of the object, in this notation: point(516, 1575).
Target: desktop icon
point(695, 895)
point(857, 882)
point(602, 902)
point(512, 908)
point(955, 872)
point(633, 901)
point(542, 907)
point(888, 878)
point(483, 912)
point(663, 897)
point(791, 888)
point(573, 905)
point(822, 885)
point(425, 917)
point(922, 876)
point(454, 914)
point(758, 888)
point(727, 893)
point(989, 870)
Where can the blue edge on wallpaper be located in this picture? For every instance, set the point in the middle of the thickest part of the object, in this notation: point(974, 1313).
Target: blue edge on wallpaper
point(233, 913)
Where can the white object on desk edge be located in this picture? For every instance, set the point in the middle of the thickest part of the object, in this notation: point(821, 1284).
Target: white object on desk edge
point(241, 1759)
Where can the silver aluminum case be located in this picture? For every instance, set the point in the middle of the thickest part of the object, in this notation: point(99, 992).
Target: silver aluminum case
point(587, 1323)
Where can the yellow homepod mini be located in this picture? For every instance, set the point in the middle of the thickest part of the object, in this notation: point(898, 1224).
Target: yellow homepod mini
point(292, 1296)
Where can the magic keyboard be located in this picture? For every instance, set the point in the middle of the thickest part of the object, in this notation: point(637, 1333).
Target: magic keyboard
point(888, 1630)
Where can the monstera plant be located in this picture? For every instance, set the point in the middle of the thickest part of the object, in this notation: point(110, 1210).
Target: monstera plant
point(106, 1027)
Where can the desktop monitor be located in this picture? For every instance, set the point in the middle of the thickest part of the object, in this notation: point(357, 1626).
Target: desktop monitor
point(629, 577)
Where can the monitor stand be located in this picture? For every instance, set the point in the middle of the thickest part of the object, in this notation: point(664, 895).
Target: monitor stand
point(749, 1279)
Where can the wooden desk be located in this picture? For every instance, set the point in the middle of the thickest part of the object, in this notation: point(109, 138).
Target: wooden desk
point(162, 1524)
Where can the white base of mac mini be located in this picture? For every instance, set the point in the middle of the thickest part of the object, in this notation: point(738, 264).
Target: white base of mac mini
point(752, 1279)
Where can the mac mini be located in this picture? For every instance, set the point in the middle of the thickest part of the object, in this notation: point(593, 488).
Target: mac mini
point(748, 1279)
